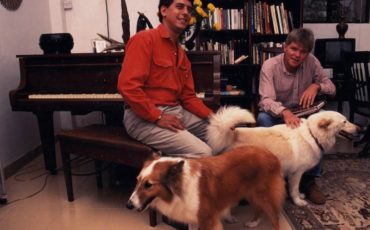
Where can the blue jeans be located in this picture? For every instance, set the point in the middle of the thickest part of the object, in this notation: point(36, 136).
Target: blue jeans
point(267, 120)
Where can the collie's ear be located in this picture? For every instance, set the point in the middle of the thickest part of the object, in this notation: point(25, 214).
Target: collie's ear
point(176, 169)
point(174, 173)
point(156, 155)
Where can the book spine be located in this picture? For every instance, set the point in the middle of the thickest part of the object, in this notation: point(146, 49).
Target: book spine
point(274, 19)
point(278, 15)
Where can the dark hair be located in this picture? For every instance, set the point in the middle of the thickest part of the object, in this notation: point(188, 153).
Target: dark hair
point(165, 3)
point(303, 36)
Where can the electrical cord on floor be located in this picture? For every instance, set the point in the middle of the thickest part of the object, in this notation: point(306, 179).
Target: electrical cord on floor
point(17, 176)
point(82, 161)
point(78, 163)
point(32, 178)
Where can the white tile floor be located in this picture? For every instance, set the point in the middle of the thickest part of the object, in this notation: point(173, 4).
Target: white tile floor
point(92, 209)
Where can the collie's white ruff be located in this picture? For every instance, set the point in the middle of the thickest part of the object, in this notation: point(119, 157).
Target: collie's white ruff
point(201, 191)
point(298, 149)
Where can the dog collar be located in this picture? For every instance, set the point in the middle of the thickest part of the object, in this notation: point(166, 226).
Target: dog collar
point(317, 142)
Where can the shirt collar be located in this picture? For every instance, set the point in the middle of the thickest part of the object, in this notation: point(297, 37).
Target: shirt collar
point(163, 31)
point(164, 34)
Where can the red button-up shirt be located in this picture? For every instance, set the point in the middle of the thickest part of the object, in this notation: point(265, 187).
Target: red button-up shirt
point(157, 72)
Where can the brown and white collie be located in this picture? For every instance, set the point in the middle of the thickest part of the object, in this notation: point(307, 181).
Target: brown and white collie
point(200, 192)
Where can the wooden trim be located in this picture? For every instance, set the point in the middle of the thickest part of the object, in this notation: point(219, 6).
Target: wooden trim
point(13, 167)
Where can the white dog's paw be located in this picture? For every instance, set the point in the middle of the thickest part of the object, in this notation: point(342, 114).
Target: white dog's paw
point(253, 223)
point(230, 219)
point(300, 202)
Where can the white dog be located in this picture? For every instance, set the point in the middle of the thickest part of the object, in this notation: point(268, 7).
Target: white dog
point(298, 149)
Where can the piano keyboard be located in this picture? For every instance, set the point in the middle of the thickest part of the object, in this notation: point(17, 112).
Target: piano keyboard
point(85, 96)
point(75, 96)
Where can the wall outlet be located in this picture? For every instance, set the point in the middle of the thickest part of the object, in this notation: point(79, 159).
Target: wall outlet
point(67, 4)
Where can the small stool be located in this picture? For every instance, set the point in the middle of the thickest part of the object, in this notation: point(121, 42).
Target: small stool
point(102, 143)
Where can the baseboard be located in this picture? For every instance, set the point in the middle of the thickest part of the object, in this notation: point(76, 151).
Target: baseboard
point(12, 168)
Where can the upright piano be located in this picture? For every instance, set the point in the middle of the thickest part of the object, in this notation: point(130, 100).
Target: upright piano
point(86, 82)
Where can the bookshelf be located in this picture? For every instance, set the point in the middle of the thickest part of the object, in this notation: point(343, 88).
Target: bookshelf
point(246, 25)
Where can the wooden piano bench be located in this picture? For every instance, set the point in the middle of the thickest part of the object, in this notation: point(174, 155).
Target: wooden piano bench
point(102, 143)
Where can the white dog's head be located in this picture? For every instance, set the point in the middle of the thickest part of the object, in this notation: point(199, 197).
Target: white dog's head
point(327, 125)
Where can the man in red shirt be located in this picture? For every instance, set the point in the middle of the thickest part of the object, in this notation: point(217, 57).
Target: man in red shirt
point(156, 82)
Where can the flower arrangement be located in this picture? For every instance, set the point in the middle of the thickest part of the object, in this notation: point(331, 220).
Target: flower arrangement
point(200, 14)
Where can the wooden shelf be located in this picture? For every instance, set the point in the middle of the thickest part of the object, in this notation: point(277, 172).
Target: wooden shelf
point(243, 42)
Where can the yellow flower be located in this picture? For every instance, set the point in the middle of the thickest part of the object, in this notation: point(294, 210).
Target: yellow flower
point(198, 3)
point(201, 12)
point(211, 7)
point(217, 26)
point(193, 20)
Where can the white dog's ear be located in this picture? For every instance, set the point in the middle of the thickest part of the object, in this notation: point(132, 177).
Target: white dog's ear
point(324, 123)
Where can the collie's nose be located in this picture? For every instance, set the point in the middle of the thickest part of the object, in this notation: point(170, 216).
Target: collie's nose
point(129, 205)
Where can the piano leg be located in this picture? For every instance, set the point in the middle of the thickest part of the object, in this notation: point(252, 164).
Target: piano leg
point(46, 129)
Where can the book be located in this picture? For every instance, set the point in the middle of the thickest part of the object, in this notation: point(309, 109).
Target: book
point(279, 19)
point(234, 92)
point(267, 18)
point(283, 14)
point(240, 59)
point(274, 19)
point(302, 112)
point(290, 16)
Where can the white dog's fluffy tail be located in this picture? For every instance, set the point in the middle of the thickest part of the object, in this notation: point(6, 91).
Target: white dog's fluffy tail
point(221, 128)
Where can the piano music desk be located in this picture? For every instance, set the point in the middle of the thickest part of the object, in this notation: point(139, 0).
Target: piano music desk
point(102, 143)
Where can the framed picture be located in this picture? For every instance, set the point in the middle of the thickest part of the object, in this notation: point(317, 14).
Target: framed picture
point(332, 11)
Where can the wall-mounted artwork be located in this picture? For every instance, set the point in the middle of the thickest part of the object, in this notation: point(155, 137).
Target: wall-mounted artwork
point(332, 11)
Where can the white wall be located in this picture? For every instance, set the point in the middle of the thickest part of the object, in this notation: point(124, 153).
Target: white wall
point(85, 22)
point(20, 31)
point(359, 31)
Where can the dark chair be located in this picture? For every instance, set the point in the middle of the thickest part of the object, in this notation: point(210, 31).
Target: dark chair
point(329, 52)
point(357, 67)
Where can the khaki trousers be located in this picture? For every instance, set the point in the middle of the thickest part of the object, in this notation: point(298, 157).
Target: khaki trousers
point(190, 142)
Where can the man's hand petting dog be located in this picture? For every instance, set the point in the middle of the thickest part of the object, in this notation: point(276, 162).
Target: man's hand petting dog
point(291, 120)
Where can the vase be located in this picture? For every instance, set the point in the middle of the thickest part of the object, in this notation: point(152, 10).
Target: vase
point(56, 43)
point(190, 42)
point(342, 28)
